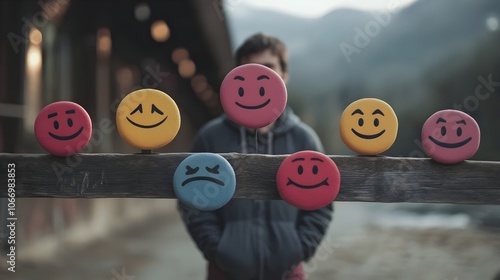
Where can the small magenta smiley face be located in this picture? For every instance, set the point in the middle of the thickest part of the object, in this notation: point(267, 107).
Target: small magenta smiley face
point(253, 95)
point(308, 180)
point(450, 136)
point(63, 128)
point(204, 181)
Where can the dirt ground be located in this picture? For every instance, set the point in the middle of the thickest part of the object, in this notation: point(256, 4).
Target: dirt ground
point(366, 241)
point(414, 254)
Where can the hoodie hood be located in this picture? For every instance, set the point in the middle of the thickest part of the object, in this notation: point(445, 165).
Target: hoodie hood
point(263, 143)
point(283, 124)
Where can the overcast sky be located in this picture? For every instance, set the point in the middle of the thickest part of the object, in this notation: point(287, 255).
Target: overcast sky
point(317, 8)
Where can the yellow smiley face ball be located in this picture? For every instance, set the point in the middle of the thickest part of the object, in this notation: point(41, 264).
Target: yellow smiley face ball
point(148, 119)
point(368, 126)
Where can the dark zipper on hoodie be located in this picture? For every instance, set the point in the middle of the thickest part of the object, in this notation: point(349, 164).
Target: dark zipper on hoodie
point(258, 236)
point(260, 225)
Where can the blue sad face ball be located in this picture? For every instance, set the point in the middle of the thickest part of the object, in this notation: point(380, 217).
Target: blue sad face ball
point(204, 181)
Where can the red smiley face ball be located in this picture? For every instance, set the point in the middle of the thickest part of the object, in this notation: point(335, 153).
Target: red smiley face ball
point(308, 180)
point(450, 136)
point(253, 95)
point(63, 128)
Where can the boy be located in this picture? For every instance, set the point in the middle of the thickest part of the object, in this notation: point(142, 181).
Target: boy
point(258, 239)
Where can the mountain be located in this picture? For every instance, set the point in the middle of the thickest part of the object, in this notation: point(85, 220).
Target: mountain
point(420, 59)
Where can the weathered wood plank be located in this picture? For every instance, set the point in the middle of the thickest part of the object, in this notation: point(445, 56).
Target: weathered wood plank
point(376, 179)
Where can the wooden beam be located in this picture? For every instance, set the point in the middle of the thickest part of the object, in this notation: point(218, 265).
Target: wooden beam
point(374, 179)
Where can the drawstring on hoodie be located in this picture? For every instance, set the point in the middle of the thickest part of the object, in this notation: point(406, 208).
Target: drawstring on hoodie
point(256, 142)
point(243, 140)
point(244, 145)
point(270, 137)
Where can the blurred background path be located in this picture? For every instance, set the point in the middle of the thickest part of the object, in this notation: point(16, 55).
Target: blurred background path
point(366, 241)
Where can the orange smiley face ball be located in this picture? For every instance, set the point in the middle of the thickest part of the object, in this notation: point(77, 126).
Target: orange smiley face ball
point(148, 119)
point(368, 126)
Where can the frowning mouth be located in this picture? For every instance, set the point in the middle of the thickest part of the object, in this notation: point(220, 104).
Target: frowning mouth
point(253, 107)
point(147, 126)
point(364, 136)
point(450, 145)
point(202, 178)
point(323, 183)
point(64, 138)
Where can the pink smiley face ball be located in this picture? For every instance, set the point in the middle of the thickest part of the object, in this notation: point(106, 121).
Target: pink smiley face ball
point(63, 128)
point(253, 95)
point(308, 180)
point(450, 136)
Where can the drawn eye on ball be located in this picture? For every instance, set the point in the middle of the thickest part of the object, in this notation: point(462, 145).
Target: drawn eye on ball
point(190, 170)
point(69, 122)
point(444, 132)
point(193, 170)
point(314, 171)
point(262, 93)
point(361, 122)
point(154, 110)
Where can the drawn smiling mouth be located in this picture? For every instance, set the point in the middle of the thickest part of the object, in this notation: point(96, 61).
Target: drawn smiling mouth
point(202, 178)
point(364, 136)
point(450, 145)
point(253, 107)
point(323, 183)
point(64, 138)
point(147, 126)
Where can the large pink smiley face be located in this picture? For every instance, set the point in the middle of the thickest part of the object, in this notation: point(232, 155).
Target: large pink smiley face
point(253, 95)
point(450, 136)
point(63, 128)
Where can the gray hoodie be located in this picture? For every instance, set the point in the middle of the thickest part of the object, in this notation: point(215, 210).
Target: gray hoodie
point(257, 239)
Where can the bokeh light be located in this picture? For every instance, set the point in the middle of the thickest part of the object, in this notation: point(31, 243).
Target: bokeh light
point(492, 23)
point(187, 68)
point(179, 54)
point(142, 12)
point(104, 41)
point(34, 58)
point(160, 31)
point(35, 36)
point(199, 83)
